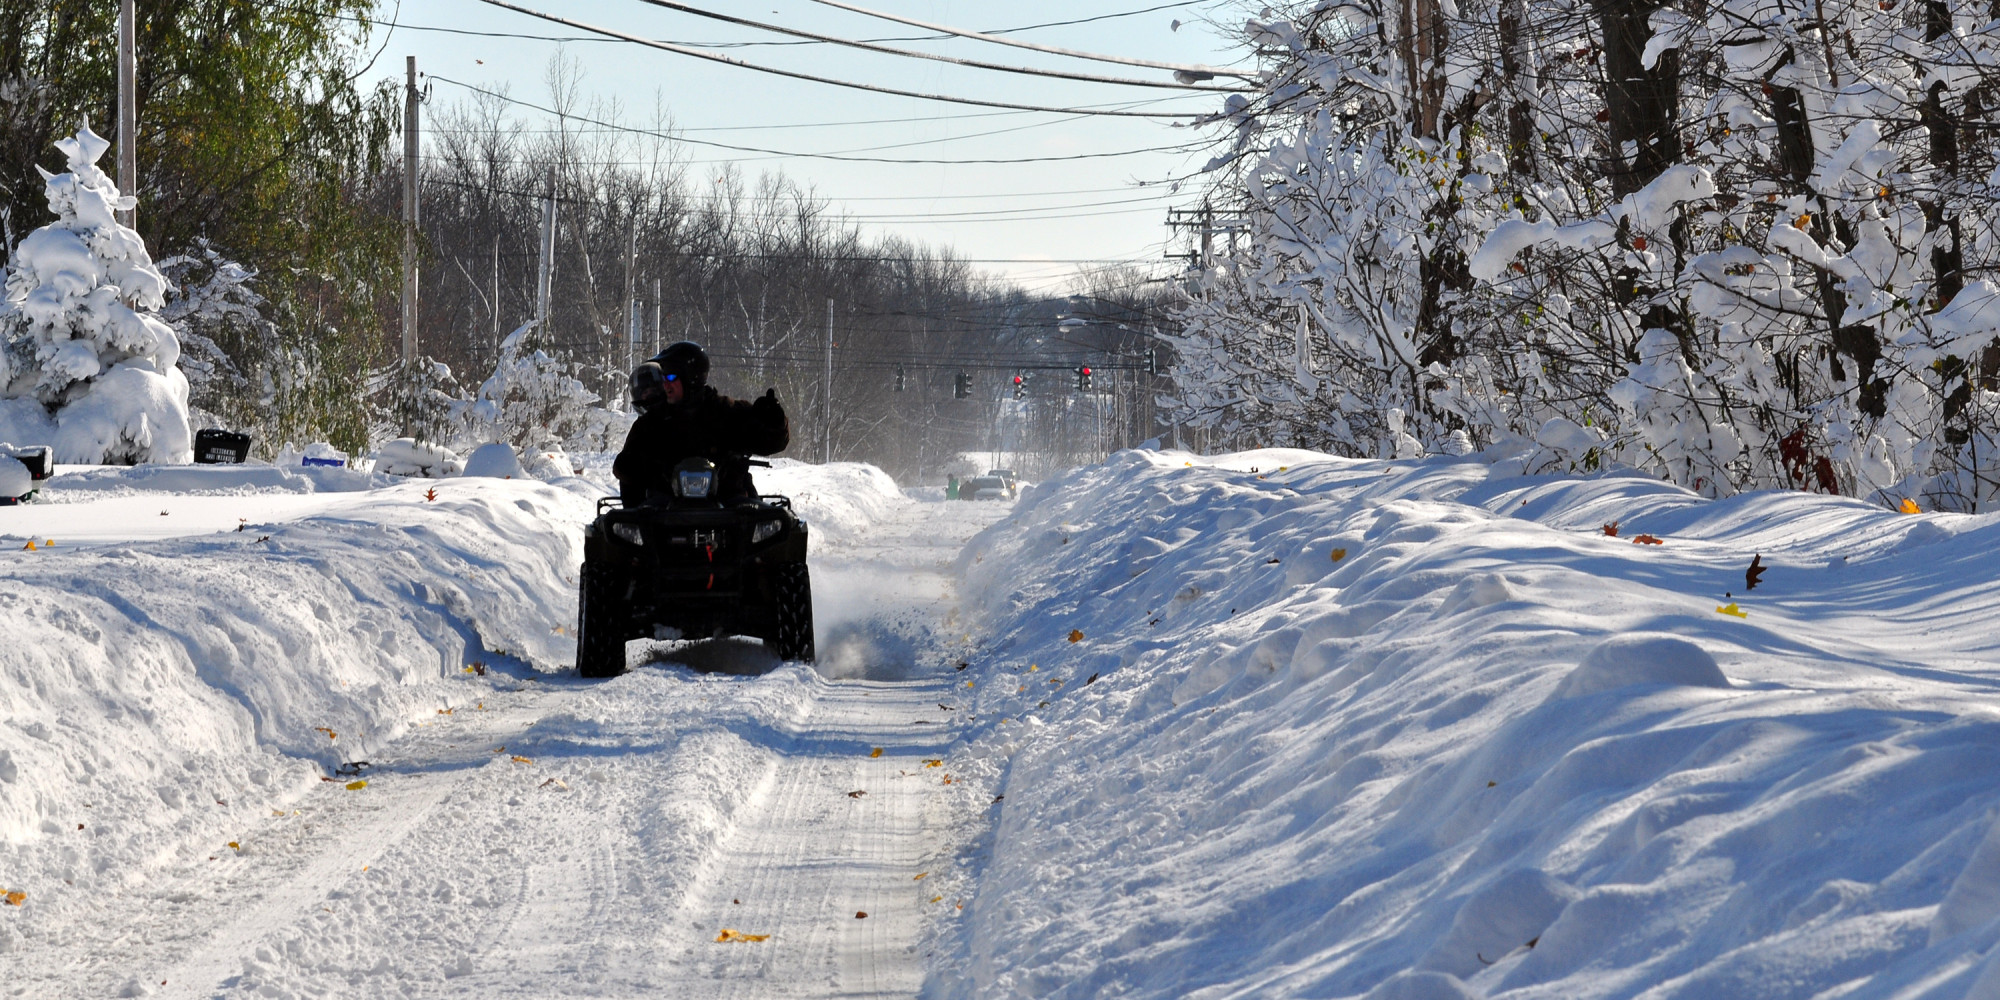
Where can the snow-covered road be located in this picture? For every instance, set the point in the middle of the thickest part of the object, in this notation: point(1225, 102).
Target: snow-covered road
point(548, 836)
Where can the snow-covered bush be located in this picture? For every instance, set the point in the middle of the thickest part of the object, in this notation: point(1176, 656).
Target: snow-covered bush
point(536, 402)
point(86, 364)
point(233, 357)
point(410, 457)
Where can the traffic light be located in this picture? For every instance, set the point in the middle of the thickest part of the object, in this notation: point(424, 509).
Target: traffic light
point(1083, 378)
point(964, 386)
point(1020, 386)
point(899, 378)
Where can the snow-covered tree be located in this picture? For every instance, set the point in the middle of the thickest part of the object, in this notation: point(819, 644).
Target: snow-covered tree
point(1734, 243)
point(236, 363)
point(535, 401)
point(86, 364)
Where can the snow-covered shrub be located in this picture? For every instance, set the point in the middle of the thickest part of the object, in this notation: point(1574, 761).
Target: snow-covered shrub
point(87, 366)
point(495, 460)
point(232, 355)
point(410, 457)
point(535, 402)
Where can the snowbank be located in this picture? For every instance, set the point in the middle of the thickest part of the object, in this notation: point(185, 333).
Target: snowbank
point(200, 642)
point(1345, 728)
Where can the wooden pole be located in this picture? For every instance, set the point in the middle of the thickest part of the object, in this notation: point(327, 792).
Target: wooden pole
point(410, 149)
point(128, 110)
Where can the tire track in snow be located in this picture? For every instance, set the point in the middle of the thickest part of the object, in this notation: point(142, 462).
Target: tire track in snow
point(350, 834)
point(805, 858)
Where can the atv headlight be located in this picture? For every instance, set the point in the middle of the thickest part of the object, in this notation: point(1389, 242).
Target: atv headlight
point(765, 530)
point(696, 484)
point(629, 532)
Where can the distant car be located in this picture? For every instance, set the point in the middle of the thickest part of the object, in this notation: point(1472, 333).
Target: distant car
point(1013, 483)
point(985, 488)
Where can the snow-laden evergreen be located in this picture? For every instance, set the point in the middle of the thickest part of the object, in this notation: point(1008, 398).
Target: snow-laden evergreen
point(87, 366)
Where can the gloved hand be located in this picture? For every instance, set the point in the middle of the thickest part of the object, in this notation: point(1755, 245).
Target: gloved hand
point(767, 404)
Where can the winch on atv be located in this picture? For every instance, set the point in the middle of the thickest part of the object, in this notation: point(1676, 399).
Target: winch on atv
point(691, 566)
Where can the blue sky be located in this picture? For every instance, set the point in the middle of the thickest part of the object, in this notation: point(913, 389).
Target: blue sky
point(1040, 215)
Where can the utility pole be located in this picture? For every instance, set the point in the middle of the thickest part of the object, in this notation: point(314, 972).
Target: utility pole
point(545, 267)
point(496, 295)
point(829, 382)
point(410, 101)
point(659, 321)
point(632, 325)
point(128, 110)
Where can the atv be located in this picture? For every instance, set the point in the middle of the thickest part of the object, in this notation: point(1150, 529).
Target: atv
point(690, 566)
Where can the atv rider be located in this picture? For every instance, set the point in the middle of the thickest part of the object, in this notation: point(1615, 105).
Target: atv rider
point(681, 416)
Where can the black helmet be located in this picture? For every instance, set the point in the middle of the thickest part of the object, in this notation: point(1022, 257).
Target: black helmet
point(685, 361)
point(649, 387)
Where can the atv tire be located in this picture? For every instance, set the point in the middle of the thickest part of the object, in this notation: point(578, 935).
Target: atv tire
point(600, 652)
point(794, 640)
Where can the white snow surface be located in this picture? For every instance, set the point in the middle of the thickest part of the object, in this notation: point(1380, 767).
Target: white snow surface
point(1181, 749)
point(1490, 752)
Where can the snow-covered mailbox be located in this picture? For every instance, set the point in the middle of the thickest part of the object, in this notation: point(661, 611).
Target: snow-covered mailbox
point(213, 446)
point(21, 469)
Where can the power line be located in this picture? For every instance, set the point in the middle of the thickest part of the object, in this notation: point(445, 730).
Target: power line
point(865, 121)
point(731, 61)
point(731, 45)
point(975, 215)
point(1186, 147)
point(935, 197)
point(935, 57)
point(1187, 73)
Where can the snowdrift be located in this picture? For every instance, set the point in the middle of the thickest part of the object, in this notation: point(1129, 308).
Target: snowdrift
point(199, 642)
point(1279, 724)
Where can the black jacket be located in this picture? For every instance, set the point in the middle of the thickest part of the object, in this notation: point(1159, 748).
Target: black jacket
point(706, 425)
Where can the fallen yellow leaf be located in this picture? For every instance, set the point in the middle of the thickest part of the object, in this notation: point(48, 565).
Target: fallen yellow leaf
point(920, 876)
point(877, 752)
point(1909, 506)
point(1339, 554)
point(518, 759)
point(355, 786)
point(1032, 667)
point(330, 734)
point(444, 711)
point(30, 546)
point(235, 845)
point(499, 749)
point(936, 898)
point(1076, 635)
point(934, 763)
point(968, 683)
point(730, 935)
point(15, 898)
point(1732, 609)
